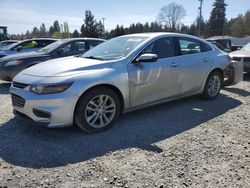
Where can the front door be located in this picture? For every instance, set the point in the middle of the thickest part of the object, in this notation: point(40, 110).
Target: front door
point(150, 82)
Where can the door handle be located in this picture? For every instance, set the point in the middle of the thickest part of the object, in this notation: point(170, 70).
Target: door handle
point(175, 65)
point(205, 60)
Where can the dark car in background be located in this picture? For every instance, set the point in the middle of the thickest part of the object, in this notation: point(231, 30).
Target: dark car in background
point(218, 45)
point(13, 64)
point(6, 43)
point(26, 46)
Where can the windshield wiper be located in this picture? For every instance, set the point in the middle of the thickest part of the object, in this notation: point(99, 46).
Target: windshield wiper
point(92, 57)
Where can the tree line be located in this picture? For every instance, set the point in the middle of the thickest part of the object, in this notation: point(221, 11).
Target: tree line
point(169, 19)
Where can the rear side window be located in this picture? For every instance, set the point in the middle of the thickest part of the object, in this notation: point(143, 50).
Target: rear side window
point(43, 43)
point(205, 47)
point(164, 48)
point(93, 43)
point(80, 46)
point(189, 46)
point(75, 46)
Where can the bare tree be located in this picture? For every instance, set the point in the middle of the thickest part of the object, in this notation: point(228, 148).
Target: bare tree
point(171, 15)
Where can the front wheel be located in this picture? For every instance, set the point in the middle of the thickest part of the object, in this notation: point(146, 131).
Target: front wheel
point(97, 110)
point(213, 86)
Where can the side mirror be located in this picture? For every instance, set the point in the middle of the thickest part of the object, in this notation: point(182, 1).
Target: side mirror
point(147, 58)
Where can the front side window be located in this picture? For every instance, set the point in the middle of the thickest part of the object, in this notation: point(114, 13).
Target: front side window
point(189, 46)
point(29, 44)
point(52, 46)
point(163, 48)
point(68, 48)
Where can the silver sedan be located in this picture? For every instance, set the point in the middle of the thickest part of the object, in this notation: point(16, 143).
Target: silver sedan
point(123, 74)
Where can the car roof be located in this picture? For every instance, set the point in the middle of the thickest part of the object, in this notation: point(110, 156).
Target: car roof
point(52, 39)
point(85, 38)
point(159, 34)
point(9, 41)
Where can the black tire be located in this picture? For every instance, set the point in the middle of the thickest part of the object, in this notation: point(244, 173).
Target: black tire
point(206, 93)
point(80, 111)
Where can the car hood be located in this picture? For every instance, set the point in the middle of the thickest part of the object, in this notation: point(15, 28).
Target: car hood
point(24, 55)
point(240, 53)
point(4, 52)
point(68, 66)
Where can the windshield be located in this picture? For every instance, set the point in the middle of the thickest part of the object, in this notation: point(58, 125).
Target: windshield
point(116, 48)
point(8, 47)
point(246, 48)
point(52, 46)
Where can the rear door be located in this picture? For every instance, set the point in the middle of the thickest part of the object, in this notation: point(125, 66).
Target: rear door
point(195, 59)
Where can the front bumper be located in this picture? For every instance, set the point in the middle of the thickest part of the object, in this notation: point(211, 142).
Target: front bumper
point(233, 73)
point(59, 106)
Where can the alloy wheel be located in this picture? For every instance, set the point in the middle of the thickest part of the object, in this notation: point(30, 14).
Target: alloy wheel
point(100, 111)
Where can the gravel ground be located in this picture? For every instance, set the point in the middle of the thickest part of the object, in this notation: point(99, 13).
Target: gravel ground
point(186, 143)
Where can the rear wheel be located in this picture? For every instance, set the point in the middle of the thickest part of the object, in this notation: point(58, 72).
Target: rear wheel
point(97, 110)
point(213, 86)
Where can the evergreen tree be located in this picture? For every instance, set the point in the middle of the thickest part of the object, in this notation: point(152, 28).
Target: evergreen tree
point(43, 31)
point(27, 34)
point(35, 32)
point(51, 30)
point(247, 23)
point(90, 26)
point(75, 34)
point(217, 18)
point(56, 26)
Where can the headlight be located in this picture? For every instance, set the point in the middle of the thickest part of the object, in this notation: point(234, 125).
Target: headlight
point(50, 88)
point(11, 63)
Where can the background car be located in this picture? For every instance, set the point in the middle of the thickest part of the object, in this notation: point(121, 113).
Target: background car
point(26, 46)
point(13, 64)
point(242, 55)
point(6, 43)
point(218, 45)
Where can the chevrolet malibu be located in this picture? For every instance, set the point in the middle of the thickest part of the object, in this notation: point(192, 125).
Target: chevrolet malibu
point(123, 74)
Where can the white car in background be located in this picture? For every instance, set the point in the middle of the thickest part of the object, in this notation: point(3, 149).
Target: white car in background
point(242, 55)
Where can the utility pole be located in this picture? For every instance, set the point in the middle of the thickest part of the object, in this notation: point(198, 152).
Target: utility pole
point(200, 16)
point(103, 20)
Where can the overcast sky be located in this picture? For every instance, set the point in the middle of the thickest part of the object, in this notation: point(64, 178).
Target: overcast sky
point(20, 15)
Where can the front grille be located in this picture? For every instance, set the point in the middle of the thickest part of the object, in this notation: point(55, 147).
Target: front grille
point(17, 100)
point(247, 59)
point(19, 85)
point(236, 58)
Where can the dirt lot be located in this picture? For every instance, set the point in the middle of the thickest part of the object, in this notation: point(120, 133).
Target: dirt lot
point(186, 143)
